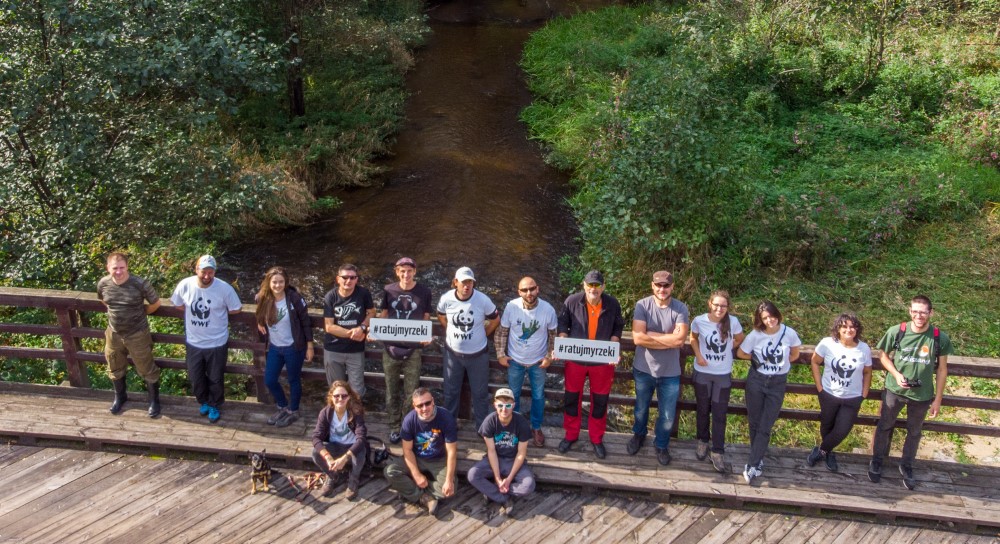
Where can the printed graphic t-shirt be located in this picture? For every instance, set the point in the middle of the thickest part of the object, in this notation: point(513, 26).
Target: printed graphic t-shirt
point(348, 312)
point(914, 359)
point(465, 332)
point(772, 350)
point(718, 354)
point(429, 437)
point(506, 438)
point(206, 311)
point(841, 366)
point(528, 341)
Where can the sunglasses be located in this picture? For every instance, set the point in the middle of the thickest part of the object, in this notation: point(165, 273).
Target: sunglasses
point(348, 278)
point(594, 285)
point(419, 405)
point(340, 395)
point(663, 285)
point(528, 289)
point(507, 405)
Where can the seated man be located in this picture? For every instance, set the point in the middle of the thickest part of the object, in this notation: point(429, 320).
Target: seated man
point(430, 447)
point(503, 474)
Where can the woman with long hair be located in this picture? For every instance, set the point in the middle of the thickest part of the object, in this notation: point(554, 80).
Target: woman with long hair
point(841, 387)
point(714, 336)
point(283, 320)
point(341, 438)
point(771, 347)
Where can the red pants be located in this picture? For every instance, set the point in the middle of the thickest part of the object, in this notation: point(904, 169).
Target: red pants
point(601, 377)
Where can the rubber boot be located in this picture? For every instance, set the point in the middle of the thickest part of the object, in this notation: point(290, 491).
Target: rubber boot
point(121, 395)
point(154, 398)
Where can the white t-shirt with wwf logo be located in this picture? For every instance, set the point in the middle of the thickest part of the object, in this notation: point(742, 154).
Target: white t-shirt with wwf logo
point(772, 350)
point(843, 367)
point(206, 311)
point(466, 332)
point(718, 354)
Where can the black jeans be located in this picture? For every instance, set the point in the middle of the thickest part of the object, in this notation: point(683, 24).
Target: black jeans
point(916, 412)
point(836, 419)
point(764, 394)
point(711, 393)
point(336, 450)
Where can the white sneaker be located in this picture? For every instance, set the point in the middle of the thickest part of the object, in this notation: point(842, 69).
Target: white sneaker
point(749, 473)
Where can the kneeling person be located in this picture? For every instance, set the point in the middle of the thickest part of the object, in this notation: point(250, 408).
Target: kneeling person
point(503, 474)
point(430, 447)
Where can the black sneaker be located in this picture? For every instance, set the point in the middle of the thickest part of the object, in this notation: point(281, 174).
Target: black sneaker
point(831, 462)
point(599, 450)
point(814, 457)
point(635, 444)
point(565, 445)
point(663, 456)
point(875, 471)
point(507, 508)
point(702, 452)
point(908, 481)
point(395, 438)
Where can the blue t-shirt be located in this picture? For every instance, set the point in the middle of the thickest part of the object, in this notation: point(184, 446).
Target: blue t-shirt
point(429, 437)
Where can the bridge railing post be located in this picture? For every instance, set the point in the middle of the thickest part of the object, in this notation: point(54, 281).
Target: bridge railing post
point(75, 368)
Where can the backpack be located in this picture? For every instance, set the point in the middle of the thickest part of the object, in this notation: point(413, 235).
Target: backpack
point(937, 344)
point(378, 455)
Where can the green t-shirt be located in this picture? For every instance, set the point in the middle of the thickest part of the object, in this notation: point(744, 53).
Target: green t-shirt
point(914, 359)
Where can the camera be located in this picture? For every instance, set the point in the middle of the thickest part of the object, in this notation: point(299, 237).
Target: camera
point(913, 382)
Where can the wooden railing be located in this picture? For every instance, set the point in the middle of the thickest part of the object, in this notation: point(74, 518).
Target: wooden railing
point(71, 309)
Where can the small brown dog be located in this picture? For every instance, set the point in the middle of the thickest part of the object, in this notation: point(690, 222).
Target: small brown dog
point(260, 471)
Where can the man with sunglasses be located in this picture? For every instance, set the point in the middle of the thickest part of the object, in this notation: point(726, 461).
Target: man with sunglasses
point(347, 311)
point(430, 448)
point(660, 326)
point(591, 315)
point(524, 344)
point(504, 474)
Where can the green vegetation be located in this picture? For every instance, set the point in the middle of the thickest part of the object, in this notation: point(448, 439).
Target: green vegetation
point(828, 157)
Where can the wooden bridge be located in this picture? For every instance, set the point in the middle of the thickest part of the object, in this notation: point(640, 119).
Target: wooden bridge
point(620, 499)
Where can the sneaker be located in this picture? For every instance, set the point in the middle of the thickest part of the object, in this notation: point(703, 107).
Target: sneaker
point(486, 501)
point(538, 438)
point(718, 463)
point(635, 444)
point(749, 473)
point(276, 416)
point(908, 481)
point(875, 471)
point(565, 445)
point(702, 451)
point(351, 494)
point(507, 508)
point(289, 418)
point(599, 450)
point(814, 457)
point(831, 462)
point(327, 488)
point(430, 502)
point(395, 438)
point(213, 414)
point(663, 456)
point(760, 467)
point(204, 409)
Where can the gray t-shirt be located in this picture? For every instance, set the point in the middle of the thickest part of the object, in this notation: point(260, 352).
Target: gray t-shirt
point(127, 303)
point(660, 363)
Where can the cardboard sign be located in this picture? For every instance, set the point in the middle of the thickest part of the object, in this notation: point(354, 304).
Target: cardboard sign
point(587, 351)
point(400, 330)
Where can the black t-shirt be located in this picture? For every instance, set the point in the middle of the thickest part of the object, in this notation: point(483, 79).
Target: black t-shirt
point(506, 437)
point(401, 304)
point(348, 312)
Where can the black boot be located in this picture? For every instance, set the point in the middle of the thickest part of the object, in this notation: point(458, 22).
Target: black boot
point(121, 395)
point(154, 398)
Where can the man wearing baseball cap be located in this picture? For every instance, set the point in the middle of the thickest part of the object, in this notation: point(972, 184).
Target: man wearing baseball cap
point(405, 299)
point(208, 302)
point(592, 315)
point(469, 317)
point(504, 474)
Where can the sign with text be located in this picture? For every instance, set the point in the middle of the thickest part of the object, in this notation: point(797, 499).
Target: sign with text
point(587, 351)
point(400, 330)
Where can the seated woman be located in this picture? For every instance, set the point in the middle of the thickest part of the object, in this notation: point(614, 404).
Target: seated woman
point(341, 438)
point(841, 387)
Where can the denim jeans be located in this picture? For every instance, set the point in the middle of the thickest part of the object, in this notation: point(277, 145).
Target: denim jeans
point(291, 359)
point(536, 376)
point(667, 391)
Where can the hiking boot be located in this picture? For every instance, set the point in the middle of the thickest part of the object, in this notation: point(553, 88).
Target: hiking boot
point(507, 508)
point(565, 445)
point(430, 502)
point(599, 450)
point(831, 462)
point(702, 452)
point(814, 457)
point(121, 395)
point(875, 471)
point(718, 463)
point(395, 438)
point(204, 409)
point(154, 398)
point(351, 494)
point(213, 414)
point(277, 415)
point(538, 438)
point(908, 481)
point(635, 444)
point(327, 488)
point(663, 456)
point(289, 418)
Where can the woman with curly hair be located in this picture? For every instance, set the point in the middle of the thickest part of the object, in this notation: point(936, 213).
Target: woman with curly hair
point(283, 321)
point(841, 387)
point(341, 438)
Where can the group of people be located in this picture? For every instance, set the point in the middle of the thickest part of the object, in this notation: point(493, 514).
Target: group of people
point(914, 355)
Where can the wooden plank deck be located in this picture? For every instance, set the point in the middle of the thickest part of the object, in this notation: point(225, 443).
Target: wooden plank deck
point(962, 497)
point(59, 495)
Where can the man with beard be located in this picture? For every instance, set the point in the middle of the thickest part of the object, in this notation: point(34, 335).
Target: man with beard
point(347, 311)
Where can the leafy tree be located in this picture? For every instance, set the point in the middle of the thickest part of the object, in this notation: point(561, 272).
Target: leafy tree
point(108, 126)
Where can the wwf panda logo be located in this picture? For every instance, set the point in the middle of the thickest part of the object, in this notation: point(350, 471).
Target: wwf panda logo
point(201, 308)
point(843, 368)
point(463, 321)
